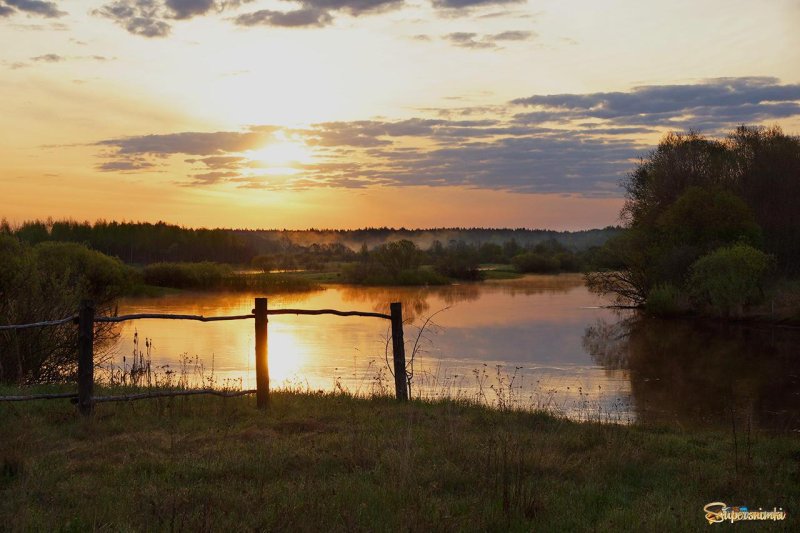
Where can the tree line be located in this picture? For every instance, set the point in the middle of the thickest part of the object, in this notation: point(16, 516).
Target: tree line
point(143, 243)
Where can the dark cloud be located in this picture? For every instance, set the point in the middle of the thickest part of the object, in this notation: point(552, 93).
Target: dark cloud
point(138, 17)
point(354, 7)
point(315, 13)
point(713, 104)
point(184, 9)
point(299, 18)
point(190, 143)
point(468, 4)
point(596, 142)
point(150, 18)
point(31, 7)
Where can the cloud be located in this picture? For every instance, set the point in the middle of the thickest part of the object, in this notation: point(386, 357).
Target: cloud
point(712, 104)
point(513, 36)
point(220, 162)
point(469, 4)
point(184, 9)
point(49, 58)
point(299, 18)
point(315, 13)
point(467, 40)
point(596, 139)
point(151, 18)
point(55, 58)
point(126, 164)
point(209, 178)
point(485, 41)
point(138, 17)
point(191, 143)
point(31, 7)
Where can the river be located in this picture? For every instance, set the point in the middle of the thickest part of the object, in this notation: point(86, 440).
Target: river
point(540, 342)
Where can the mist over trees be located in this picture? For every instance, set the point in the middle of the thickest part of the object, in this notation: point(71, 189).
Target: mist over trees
point(145, 243)
point(708, 221)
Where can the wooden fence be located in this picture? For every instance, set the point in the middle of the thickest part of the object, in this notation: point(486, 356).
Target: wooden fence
point(86, 320)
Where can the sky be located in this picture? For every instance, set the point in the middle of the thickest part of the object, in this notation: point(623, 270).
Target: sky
point(356, 113)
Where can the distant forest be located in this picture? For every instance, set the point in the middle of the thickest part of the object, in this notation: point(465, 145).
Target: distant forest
point(145, 243)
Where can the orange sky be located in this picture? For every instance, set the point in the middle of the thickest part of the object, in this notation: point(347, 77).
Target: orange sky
point(412, 113)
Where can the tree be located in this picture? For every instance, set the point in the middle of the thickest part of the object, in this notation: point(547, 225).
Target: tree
point(693, 195)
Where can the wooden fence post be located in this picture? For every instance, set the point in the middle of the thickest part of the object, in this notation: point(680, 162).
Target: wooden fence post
point(262, 366)
point(399, 352)
point(86, 357)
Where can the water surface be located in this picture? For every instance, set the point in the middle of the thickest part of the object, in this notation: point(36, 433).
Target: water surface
point(537, 342)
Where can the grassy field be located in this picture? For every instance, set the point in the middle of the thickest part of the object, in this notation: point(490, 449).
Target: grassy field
point(334, 462)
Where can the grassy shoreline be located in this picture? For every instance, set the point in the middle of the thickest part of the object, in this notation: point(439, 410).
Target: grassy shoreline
point(343, 463)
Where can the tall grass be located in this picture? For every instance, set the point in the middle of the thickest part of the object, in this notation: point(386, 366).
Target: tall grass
point(333, 461)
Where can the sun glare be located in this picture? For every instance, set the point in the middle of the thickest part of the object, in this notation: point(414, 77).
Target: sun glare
point(283, 153)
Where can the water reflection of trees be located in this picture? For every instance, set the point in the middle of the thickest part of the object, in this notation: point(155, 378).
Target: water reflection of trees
point(415, 300)
point(701, 373)
point(538, 284)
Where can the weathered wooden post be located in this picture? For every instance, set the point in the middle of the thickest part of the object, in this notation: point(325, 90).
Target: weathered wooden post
point(85, 357)
point(399, 352)
point(262, 366)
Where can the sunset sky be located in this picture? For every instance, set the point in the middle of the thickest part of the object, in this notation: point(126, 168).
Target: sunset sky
point(353, 113)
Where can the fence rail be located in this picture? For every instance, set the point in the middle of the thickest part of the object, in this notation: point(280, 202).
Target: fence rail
point(86, 319)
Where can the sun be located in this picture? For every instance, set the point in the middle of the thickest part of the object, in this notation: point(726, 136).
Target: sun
point(283, 155)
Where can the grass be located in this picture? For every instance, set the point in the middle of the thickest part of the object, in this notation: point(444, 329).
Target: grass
point(500, 271)
point(335, 462)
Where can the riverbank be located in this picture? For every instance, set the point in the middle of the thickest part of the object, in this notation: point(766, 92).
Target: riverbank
point(340, 463)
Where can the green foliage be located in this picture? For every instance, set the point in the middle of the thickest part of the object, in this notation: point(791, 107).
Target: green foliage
point(461, 261)
point(47, 282)
point(723, 282)
point(537, 263)
point(96, 275)
point(665, 300)
point(707, 218)
point(395, 263)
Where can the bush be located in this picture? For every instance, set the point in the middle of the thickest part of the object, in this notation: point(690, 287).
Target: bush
point(665, 300)
point(47, 282)
point(723, 282)
point(532, 262)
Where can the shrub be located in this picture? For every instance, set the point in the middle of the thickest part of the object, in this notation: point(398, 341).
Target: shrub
point(47, 282)
point(723, 282)
point(537, 263)
point(665, 300)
